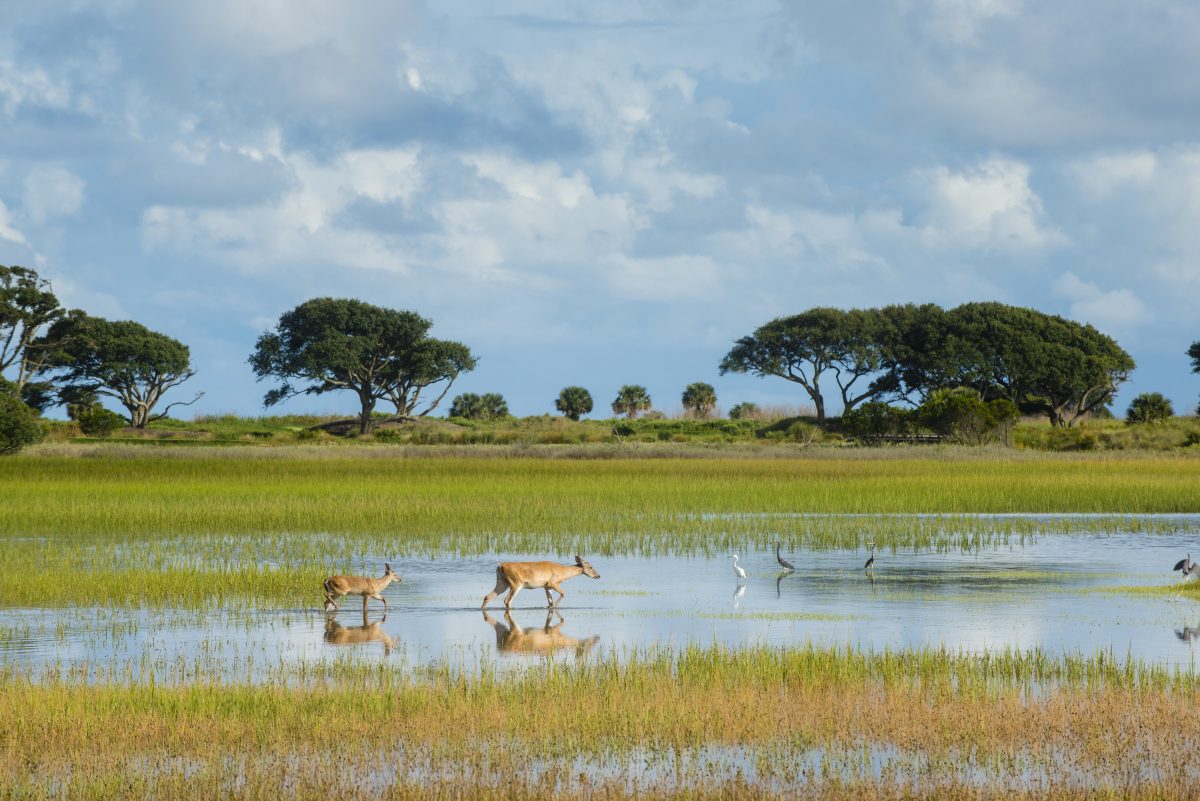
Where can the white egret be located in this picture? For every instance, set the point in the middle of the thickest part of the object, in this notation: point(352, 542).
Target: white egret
point(737, 571)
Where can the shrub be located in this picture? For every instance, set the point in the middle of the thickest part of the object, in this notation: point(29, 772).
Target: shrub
point(96, 421)
point(961, 415)
point(18, 425)
point(873, 421)
point(1149, 407)
point(743, 411)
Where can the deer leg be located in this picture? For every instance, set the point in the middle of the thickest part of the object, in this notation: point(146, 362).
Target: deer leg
point(557, 589)
point(501, 586)
point(364, 604)
point(549, 597)
point(512, 596)
point(381, 598)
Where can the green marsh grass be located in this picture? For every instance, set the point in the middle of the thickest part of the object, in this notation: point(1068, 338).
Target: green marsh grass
point(138, 527)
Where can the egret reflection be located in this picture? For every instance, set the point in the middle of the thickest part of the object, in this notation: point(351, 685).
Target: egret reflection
point(368, 632)
point(511, 638)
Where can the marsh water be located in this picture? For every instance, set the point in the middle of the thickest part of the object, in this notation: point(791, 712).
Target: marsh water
point(1060, 594)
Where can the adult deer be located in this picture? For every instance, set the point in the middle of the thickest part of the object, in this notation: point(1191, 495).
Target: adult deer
point(516, 576)
point(337, 634)
point(512, 639)
point(340, 586)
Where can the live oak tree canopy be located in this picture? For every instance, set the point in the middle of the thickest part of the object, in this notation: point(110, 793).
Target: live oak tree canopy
point(336, 344)
point(806, 347)
point(1044, 364)
point(27, 308)
point(120, 359)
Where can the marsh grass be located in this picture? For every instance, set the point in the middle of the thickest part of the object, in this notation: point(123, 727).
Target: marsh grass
point(760, 720)
point(131, 527)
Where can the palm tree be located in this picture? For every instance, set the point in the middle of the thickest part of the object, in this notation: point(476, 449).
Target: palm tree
point(631, 399)
point(699, 399)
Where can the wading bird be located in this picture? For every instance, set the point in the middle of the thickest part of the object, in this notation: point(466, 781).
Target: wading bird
point(870, 562)
point(737, 571)
point(783, 562)
point(1187, 566)
point(516, 576)
point(340, 586)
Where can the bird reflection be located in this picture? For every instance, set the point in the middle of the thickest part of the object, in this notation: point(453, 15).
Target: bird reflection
point(337, 634)
point(737, 595)
point(512, 639)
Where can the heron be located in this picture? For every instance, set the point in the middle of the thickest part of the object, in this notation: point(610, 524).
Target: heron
point(871, 561)
point(1187, 566)
point(785, 563)
point(737, 571)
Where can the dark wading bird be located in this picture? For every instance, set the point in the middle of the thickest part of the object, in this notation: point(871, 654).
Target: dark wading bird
point(871, 561)
point(1187, 566)
point(783, 562)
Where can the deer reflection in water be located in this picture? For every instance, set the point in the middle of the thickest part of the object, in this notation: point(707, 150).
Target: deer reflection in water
point(337, 634)
point(512, 639)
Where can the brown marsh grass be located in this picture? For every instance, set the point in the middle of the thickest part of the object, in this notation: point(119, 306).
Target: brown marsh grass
point(709, 722)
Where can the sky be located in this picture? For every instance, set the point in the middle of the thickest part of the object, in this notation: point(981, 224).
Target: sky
point(604, 193)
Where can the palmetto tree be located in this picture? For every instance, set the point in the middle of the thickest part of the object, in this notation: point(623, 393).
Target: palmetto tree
point(631, 400)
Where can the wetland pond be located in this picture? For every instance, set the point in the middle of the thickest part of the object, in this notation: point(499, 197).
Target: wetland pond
point(1062, 594)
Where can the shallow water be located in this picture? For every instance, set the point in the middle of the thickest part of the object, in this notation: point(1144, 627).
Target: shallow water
point(1060, 594)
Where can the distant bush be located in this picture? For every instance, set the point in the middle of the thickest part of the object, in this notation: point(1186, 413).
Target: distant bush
point(18, 425)
point(1149, 407)
point(874, 421)
point(961, 415)
point(743, 411)
point(96, 421)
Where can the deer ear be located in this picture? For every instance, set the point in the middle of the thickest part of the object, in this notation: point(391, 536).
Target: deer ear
point(387, 568)
point(578, 561)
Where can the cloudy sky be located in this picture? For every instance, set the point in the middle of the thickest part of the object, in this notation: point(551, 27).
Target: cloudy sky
point(604, 193)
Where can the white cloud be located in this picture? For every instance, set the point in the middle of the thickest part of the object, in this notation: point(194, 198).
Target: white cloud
point(52, 192)
point(1103, 174)
point(958, 22)
point(7, 231)
point(990, 205)
point(32, 86)
point(670, 278)
point(302, 226)
point(1117, 309)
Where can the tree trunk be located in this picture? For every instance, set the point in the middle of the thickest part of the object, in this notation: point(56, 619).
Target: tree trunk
point(819, 400)
point(365, 423)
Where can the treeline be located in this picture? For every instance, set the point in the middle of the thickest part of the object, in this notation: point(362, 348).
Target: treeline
point(1040, 363)
point(983, 363)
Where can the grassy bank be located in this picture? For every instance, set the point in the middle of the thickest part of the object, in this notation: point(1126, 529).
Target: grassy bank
point(765, 720)
point(766, 431)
